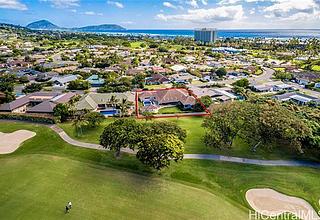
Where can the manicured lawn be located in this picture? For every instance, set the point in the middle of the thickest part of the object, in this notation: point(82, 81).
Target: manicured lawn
point(195, 132)
point(280, 69)
point(136, 44)
point(161, 86)
point(170, 110)
point(42, 175)
point(316, 68)
point(233, 180)
point(40, 186)
point(90, 135)
point(195, 144)
point(197, 82)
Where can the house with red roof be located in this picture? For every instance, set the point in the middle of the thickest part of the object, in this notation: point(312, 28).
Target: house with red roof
point(157, 99)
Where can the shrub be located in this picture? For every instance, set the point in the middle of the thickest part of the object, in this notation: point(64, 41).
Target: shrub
point(47, 119)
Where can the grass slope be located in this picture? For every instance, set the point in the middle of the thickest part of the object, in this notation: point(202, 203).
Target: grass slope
point(195, 145)
point(42, 175)
point(40, 186)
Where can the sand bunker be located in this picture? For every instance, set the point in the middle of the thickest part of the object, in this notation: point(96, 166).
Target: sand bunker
point(271, 203)
point(9, 142)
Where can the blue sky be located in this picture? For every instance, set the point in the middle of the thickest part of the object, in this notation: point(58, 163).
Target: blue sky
point(166, 14)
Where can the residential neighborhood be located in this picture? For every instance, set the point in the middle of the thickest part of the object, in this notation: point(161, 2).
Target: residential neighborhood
point(105, 122)
point(101, 69)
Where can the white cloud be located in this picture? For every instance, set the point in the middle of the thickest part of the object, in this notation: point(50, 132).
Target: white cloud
point(89, 13)
point(219, 14)
point(116, 4)
point(301, 16)
point(169, 5)
point(252, 11)
point(229, 2)
point(291, 8)
point(204, 2)
point(127, 22)
point(13, 4)
point(287, 5)
point(63, 3)
point(92, 13)
point(193, 3)
point(284, 10)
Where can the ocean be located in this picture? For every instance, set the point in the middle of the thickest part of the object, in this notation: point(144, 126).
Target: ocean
point(267, 34)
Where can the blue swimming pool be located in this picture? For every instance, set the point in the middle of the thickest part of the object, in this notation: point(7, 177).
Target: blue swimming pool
point(109, 112)
point(147, 102)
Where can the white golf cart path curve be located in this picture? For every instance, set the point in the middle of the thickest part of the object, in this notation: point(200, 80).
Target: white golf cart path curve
point(293, 163)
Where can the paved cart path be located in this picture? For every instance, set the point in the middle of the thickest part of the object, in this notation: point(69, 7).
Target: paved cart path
point(293, 163)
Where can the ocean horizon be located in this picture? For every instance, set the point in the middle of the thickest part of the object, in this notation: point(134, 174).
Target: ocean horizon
point(232, 33)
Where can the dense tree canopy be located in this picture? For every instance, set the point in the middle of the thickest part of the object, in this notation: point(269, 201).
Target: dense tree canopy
point(63, 111)
point(7, 88)
point(94, 119)
point(33, 87)
point(157, 143)
point(244, 83)
point(259, 124)
point(206, 101)
point(79, 85)
point(165, 127)
point(221, 72)
point(123, 133)
point(158, 150)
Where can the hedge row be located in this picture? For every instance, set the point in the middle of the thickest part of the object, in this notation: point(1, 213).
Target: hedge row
point(48, 119)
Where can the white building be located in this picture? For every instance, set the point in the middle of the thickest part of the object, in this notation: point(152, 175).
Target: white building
point(205, 35)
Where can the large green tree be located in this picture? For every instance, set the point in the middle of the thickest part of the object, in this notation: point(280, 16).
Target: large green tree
point(156, 142)
point(244, 83)
point(7, 88)
point(79, 84)
point(94, 119)
point(63, 111)
point(122, 133)
point(259, 124)
point(206, 101)
point(221, 72)
point(33, 87)
point(224, 124)
point(165, 127)
point(159, 150)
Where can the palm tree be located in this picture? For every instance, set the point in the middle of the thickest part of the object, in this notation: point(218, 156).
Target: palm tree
point(124, 107)
point(79, 121)
point(113, 101)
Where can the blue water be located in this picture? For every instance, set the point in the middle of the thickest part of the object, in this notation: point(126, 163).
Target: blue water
point(109, 112)
point(267, 34)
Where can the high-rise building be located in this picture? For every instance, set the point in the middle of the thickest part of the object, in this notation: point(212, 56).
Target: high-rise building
point(205, 35)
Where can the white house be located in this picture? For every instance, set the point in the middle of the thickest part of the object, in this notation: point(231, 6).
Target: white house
point(61, 82)
point(178, 68)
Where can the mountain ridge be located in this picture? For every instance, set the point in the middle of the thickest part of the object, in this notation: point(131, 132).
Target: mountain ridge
point(42, 24)
point(47, 25)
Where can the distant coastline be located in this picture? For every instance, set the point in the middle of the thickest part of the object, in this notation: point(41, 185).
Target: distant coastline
point(249, 33)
